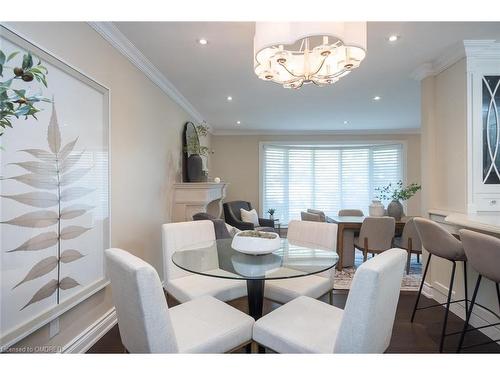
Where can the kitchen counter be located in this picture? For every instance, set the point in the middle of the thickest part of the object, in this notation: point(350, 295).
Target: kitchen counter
point(485, 221)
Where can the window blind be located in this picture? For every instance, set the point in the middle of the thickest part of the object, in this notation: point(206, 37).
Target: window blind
point(328, 178)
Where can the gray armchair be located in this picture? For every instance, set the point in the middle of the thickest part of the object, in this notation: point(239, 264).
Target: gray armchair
point(233, 217)
point(220, 228)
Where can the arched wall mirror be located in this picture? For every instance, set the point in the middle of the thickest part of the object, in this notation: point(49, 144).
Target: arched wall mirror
point(192, 160)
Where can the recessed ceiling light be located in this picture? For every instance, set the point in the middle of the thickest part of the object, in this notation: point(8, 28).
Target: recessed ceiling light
point(203, 41)
point(377, 98)
point(229, 98)
point(238, 122)
point(346, 122)
point(393, 38)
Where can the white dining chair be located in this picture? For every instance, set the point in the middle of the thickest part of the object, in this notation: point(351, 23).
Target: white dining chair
point(306, 325)
point(310, 234)
point(148, 325)
point(185, 286)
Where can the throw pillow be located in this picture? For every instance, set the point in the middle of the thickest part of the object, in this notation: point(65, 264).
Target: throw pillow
point(250, 216)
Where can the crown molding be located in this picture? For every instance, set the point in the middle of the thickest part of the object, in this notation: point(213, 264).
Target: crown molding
point(119, 41)
point(482, 48)
point(238, 132)
point(440, 64)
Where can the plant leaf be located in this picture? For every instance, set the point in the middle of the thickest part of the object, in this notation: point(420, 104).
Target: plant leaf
point(11, 56)
point(42, 268)
point(39, 242)
point(35, 199)
point(53, 133)
point(74, 192)
point(71, 255)
point(40, 154)
point(73, 231)
point(36, 180)
point(69, 162)
point(37, 219)
point(66, 150)
point(68, 283)
point(74, 176)
point(74, 211)
point(38, 167)
point(44, 292)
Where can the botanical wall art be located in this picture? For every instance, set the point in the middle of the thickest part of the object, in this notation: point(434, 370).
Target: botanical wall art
point(54, 195)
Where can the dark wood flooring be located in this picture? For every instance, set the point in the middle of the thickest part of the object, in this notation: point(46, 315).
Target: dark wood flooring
point(422, 336)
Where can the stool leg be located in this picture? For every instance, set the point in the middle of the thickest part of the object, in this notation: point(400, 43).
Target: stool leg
point(466, 289)
point(498, 295)
point(469, 313)
point(420, 289)
point(445, 323)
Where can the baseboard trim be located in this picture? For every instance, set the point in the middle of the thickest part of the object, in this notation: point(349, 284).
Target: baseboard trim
point(427, 290)
point(480, 316)
point(87, 338)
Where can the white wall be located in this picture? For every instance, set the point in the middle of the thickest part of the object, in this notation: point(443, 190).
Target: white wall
point(146, 128)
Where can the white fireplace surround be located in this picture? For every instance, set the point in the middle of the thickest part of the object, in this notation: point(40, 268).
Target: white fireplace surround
point(193, 197)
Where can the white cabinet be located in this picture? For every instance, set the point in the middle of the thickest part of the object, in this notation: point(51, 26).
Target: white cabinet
point(483, 125)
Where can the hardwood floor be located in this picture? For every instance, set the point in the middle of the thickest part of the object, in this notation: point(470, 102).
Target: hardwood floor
point(422, 336)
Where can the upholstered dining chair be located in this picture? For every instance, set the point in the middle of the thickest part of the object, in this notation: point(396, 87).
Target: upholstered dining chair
point(232, 215)
point(410, 241)
point(321, 214)
point(376, 235)
point(183, 285)
point(148, 325)
point(307, 216)
point(306, 325)
point(350, 212)
point(309, 234)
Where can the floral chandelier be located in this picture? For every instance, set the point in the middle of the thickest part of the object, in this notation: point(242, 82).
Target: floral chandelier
point(296, 53)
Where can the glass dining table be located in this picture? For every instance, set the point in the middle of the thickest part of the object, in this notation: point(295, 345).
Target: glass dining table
point(289, 261)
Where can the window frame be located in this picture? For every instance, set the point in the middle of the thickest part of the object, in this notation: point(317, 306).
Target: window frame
point(329, 144)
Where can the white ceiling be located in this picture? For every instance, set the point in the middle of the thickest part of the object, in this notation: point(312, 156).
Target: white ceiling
point(206, 75)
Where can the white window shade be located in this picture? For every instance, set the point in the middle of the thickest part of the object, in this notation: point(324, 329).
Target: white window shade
point(295, 178)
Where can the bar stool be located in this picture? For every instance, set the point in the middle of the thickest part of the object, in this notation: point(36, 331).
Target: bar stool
point(441, 243)
point(483, 255)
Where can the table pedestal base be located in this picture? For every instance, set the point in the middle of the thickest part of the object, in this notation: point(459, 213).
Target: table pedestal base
point(255, 295)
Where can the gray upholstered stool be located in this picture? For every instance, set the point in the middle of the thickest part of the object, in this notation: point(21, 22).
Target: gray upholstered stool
point(441, 243)
point(410, 241)
point(483, 255)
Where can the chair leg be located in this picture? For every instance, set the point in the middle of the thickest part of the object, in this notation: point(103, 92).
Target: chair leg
point(447, 312)
point(469, 313)
point(365, 249)
point(418, 257)
point(408, 260)
point(420, 288)
point(330, 297)
point(466, 289)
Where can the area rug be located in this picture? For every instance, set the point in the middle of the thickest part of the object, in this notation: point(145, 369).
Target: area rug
point(410, 282)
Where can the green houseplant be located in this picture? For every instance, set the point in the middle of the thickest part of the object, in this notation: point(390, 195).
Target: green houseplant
point(396, 193)
point(271, 212)
point(17, 102)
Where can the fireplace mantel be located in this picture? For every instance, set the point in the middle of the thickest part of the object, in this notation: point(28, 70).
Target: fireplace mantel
point(193, 197)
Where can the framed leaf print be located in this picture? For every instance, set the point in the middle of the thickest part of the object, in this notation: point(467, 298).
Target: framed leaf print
point(54, 197)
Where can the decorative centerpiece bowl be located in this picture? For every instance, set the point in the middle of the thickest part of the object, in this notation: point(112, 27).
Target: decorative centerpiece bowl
point(254, 242)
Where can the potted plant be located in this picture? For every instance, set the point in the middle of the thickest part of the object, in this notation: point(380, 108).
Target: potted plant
point(397, 193)
point(271, 212)
point(17, 102)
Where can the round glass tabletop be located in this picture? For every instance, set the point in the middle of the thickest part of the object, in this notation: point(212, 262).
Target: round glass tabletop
point(219, 259)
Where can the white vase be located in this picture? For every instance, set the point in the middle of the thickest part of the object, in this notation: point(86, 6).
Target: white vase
point(376, 208)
